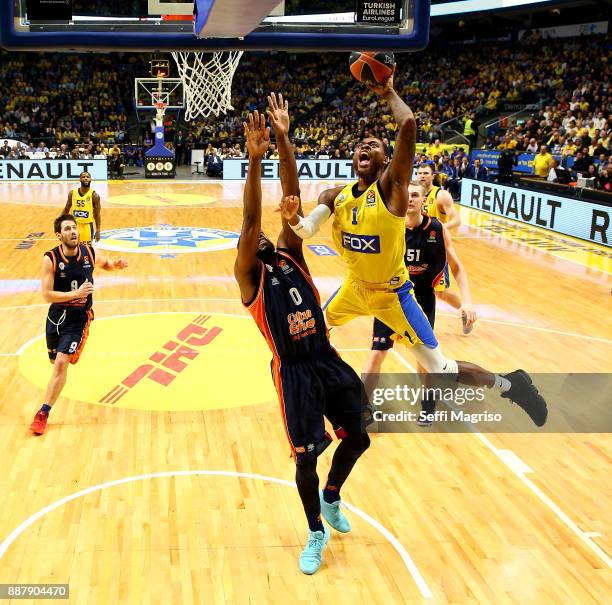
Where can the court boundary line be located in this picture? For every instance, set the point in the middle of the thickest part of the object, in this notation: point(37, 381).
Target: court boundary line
point(549, 502)
point(397, 545)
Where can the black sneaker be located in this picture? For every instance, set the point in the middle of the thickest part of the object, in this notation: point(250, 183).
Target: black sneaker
point(526, 395)
point(466, 329)
point(423, 419)
point(428, 407)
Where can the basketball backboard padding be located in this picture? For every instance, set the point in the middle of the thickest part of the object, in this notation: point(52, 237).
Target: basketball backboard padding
point(159, 7)
point(230, 18)
point(127, 29)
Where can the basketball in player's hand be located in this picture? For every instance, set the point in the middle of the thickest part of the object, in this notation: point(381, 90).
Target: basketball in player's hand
point(372, 67)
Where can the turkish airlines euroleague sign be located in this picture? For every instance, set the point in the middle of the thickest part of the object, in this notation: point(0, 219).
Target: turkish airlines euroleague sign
point(51, 170)
point(578, 218)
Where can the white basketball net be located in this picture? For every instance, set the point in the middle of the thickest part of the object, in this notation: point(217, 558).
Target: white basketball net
point(207, 81)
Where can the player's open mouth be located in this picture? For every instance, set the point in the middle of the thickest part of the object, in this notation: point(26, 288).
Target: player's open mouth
point(364, 158)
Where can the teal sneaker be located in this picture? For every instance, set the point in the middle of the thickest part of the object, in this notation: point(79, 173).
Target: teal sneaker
point(333, 515)
point(311, 556)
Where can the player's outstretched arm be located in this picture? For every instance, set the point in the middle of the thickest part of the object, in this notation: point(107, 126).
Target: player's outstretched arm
point(309, 226)
point(246, 265)
point(460, 275)
point(103, 262)
point(394, 181)
point(278, 113)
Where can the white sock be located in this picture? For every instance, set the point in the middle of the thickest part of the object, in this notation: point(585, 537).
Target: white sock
point(501, 383)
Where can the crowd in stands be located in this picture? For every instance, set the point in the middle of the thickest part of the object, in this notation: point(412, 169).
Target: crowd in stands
point(82, 106)
point(572, 130)
point(73, 101)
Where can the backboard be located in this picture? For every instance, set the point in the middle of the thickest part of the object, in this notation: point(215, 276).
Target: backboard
point(149, 91)
point(162, 25)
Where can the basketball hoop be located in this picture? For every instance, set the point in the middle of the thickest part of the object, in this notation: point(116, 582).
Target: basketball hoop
point(207, 81)
point(159, 100)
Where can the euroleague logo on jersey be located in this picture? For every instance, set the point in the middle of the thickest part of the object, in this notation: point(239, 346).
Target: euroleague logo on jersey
point(432, 237)
point(370, 199)
point(284, 267)
point(167, 239)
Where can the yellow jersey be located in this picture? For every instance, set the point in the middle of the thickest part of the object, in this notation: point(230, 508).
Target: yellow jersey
point(431, 208)
point(542, 164)
point(369, 237)
point(82, 206)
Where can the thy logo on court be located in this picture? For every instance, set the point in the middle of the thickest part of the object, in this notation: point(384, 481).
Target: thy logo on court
point(164, 361)
point(167, 239)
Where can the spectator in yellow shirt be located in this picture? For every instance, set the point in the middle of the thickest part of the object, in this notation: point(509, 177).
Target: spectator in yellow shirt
point(507, 143)
point(542, 163)
point(435, 149)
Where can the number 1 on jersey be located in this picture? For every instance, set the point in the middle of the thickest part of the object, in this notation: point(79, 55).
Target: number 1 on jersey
point(354, 215)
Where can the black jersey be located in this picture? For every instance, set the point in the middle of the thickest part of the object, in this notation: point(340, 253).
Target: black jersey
point(287, 310)
point(425, 253)
point(71, 272)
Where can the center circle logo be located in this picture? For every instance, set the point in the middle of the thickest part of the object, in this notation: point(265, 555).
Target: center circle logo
point(164, 362)
point(167, 239)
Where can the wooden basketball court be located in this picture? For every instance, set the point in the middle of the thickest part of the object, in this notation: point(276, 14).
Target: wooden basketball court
point(182, 492)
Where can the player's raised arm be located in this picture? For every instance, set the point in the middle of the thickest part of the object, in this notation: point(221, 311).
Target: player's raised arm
point(278, 114)
point(290, 206)
point(395, 179)
point(245, 268)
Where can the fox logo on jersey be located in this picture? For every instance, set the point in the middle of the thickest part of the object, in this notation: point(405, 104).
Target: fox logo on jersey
point(367, 244)
point(81, 214)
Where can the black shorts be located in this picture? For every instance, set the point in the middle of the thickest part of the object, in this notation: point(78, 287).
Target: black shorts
point(67, 331)
point(308, 391)
point(381, 333)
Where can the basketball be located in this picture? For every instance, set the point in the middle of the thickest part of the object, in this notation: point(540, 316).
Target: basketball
point(371, 67)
